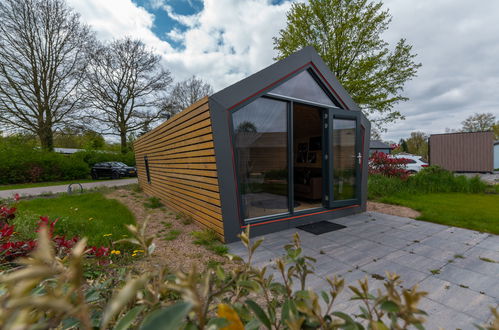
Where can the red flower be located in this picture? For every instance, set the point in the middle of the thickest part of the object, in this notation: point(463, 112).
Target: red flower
point(6, 231)
point(44, 221)
point(7, 213)
point(99, 251)
point(17, 197)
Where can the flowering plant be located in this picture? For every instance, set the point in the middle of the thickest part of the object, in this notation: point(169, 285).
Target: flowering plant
point(381, 163)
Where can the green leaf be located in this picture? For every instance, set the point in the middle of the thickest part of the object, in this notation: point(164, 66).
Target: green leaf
point(344, 317)
point(254, 324)
point(217, 323)
point(70, 323)
point(389, 306)
point(260, 314)
point(126, 321)
point(169, 318)
point(325, 296)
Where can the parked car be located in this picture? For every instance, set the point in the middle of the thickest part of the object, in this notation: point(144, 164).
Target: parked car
point(415, 163)
point(114, 170)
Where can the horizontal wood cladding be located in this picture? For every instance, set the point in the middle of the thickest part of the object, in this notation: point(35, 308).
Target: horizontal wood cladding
point(182, 165)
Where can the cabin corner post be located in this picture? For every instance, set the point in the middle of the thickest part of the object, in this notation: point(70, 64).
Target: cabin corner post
point(225, 169)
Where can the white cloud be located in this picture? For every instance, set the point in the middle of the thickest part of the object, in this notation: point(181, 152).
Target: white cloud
point(227, 40)
point(114, 19)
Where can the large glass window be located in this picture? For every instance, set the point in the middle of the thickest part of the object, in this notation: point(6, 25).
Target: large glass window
point(304, 87)
point(344, 159)
point(261, 144)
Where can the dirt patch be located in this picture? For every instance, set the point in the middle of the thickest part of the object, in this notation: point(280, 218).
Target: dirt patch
point(400, 211)
point(178, 254)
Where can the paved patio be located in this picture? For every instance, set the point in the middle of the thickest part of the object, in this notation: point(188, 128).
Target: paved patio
point(462, 286)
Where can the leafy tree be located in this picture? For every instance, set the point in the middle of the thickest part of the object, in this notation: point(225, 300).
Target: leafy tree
point(42, 59)
point(125, 83)
point(348, 36)
point(496, 130)
point(417, 144)
point(79, 139)
point(479, 122)
point(185, 93)
point(246, 127)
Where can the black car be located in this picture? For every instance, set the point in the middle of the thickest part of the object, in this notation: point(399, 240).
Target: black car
point(113, 170)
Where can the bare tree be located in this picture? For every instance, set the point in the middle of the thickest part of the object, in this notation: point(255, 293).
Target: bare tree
point(185, 93)
point(125, 85)
point(42, 59)
point(479, 122)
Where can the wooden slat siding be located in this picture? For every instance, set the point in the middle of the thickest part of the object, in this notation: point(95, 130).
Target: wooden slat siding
point(166, 132)
point(182, 166)
point(463, 152)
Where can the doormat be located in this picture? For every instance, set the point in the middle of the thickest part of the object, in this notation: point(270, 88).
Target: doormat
point(321, 227)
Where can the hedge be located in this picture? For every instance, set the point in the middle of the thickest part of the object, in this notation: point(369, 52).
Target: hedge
point(23, 163)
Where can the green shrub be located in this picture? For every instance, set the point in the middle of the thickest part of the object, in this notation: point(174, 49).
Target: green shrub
point(432, 179)
point(153, 203)
point(24, 163)
point(92, 157)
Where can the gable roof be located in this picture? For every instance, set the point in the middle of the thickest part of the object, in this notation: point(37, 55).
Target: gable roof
point(263, 81)
point(377, 144)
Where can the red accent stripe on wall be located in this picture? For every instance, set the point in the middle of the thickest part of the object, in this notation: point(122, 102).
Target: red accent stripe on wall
point(301, 216)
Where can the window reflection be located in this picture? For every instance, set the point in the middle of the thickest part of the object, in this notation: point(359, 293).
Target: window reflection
point(261, 142)
point(303, 86)
point(344, 159)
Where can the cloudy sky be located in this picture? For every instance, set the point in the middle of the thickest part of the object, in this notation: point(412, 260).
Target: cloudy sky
point(222, 41)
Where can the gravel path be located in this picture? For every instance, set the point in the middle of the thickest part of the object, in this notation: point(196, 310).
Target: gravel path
point(64, 188)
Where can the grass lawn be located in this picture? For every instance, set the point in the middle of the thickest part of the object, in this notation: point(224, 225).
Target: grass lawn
point(88, 215)
point(473, 211)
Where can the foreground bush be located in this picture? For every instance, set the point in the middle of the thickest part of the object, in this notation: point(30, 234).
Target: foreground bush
point(432, 179)
point(51, 293)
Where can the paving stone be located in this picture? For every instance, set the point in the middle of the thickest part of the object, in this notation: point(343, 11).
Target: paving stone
point(408, 275)
point(440, 243)
point(330, 266)
point(430, 252)
point(491, 243)
point(464, 300)
point(349, 256)
point(420, 263)
point(474, 263)
point(474, 280)
point(316, 243)
point(441, 316)
point(389, 240)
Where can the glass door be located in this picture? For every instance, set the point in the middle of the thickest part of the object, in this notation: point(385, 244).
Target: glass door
point(344, 157)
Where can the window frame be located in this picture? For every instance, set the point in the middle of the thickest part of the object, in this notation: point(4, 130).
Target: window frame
point(148, 173)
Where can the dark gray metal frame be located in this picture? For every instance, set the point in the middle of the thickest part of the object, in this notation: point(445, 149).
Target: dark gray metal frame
point(241, 93)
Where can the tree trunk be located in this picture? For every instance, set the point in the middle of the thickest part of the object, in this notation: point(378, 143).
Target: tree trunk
point(46, 137)
point(124, 148)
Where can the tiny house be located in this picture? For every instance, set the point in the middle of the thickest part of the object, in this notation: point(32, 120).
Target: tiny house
point(281, 148)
